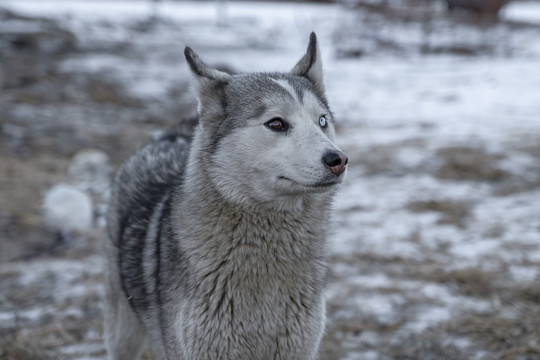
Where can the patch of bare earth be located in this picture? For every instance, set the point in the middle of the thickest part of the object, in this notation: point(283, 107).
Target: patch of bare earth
point(382, 305)
point(50, 288)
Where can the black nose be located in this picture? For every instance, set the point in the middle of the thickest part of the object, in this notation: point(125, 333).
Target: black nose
point(336, 161)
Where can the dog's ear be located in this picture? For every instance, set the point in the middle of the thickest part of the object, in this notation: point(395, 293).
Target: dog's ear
point(209, 84)
point(310, 65)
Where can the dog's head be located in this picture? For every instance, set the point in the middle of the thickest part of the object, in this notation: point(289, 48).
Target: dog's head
point(268, 136)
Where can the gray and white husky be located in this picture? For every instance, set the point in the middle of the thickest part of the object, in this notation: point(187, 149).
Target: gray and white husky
point(218, 243)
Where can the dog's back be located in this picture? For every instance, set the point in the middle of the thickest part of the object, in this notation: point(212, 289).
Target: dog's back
point(218, 244)
point(142, 187)
point(139, 200)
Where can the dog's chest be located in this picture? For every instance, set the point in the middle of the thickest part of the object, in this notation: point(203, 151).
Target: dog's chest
point(257, 309)
point(255, 286)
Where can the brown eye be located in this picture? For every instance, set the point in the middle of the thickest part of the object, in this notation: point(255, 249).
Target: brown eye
point(277, 124)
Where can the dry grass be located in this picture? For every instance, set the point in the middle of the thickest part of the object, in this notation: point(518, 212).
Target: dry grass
point(467, 163)
point(39, 157)
point(513, 336)
point(469, 281)
point(17, 347)
point(382, 159)
point(452, 211)
point(427, 346)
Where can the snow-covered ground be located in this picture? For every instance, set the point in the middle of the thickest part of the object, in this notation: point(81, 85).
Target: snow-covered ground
point(435, 250)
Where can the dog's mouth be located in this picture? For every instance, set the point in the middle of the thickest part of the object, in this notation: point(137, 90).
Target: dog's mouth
point(314, 185)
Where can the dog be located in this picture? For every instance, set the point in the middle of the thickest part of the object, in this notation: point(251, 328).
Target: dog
point(218, 240)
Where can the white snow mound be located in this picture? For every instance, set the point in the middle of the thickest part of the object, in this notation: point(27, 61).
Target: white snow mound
point(67, 209)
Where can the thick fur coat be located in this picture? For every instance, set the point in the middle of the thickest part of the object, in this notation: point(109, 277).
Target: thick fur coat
point(218, 242)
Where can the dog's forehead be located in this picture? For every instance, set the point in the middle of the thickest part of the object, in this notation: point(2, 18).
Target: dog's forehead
point(266, 89)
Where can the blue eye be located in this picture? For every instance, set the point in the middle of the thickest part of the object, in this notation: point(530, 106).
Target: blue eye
point(322, 121)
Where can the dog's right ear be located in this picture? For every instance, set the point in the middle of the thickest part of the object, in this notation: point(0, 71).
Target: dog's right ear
point(310, 65)
point(209, 84)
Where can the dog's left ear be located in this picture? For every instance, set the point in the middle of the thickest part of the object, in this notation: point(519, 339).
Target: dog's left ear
point(310, 65)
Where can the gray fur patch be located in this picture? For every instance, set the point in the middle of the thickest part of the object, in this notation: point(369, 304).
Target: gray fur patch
point(218, 242)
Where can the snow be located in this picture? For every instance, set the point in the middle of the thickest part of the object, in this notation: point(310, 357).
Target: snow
point(66, 209)
point(66, 270)
point(90, 171)
point(412, 107)
point(522, 11)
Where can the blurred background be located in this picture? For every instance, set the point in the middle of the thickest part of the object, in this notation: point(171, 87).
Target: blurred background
point(435, 245)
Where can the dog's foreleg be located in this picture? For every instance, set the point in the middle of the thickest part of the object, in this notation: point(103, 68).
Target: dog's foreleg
point(125, 336)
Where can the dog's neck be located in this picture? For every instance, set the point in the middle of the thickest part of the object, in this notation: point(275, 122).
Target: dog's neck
point(250, 237)
point(258, 252)
point(304, 223)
